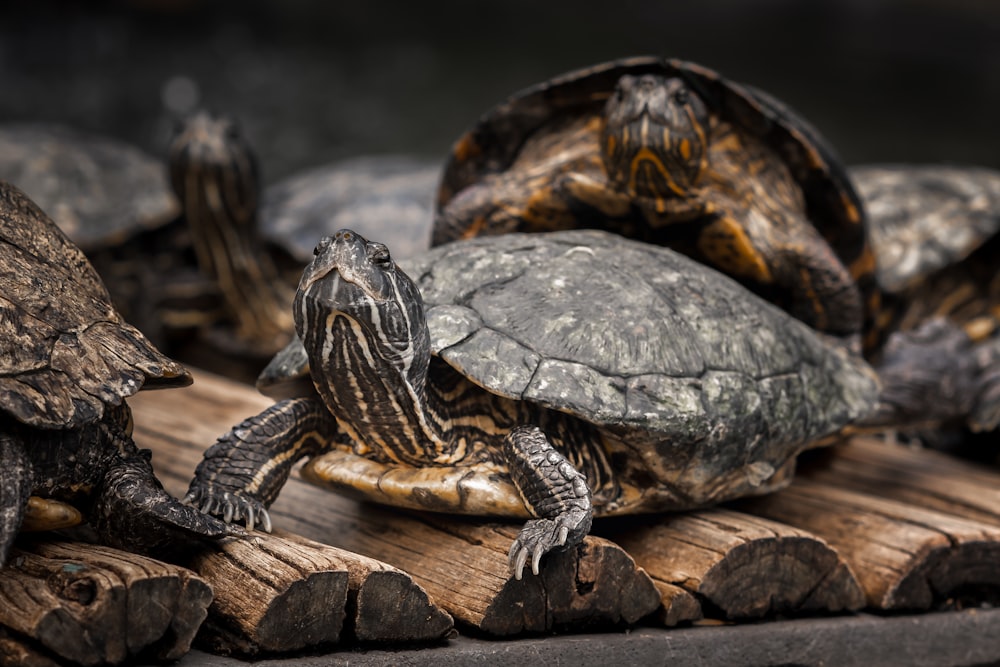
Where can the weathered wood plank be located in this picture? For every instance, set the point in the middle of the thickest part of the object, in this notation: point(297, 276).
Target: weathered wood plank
point(461, 564)
point(919, 477)
point(90, 604)
point(905, 557)
point(744, 566)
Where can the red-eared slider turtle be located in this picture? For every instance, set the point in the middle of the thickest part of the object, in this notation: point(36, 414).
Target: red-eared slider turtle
point(99, 190)
point(936, 233)
point(254, 254)
point(67, 362)
point(380, 196)
point(547, 377)
point(671, 152)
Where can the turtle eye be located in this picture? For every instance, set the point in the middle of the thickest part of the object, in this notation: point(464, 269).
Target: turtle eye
point(323, 244)
point(379, 254)
point(681, 96)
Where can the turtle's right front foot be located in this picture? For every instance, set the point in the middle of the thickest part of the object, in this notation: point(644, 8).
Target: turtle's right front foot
point(553, 490)
point(228, 505)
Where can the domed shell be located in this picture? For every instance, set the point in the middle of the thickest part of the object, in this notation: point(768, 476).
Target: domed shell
point(65, 353)
point(833, 206)
point(926, 217)
point(388, 197)
point(97, 189)
point(631, 335)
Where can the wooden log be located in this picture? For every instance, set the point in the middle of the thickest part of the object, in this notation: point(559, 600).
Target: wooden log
point(89, 604)
point(916, 476)
point(905, 557)
point(462, 564)
point(383, 603)
point(17, 652)
point(272, 594)
point(743, 566)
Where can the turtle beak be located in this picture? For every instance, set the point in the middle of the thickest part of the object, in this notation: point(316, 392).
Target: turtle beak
point(343, 252)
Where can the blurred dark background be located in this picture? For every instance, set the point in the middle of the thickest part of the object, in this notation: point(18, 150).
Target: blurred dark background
point(315, 80)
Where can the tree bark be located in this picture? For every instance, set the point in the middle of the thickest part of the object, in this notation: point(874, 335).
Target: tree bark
point(743, 566)
point(90, 604)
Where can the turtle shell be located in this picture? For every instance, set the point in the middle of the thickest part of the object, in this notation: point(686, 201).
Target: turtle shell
point(926, 217)
point(66, 353)
point(833, 206)
point(635, 336)
point(97, 189)
point(387, 197)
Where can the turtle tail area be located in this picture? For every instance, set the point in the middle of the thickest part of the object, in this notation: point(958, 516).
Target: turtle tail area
point(15, 488)
point(132, 511)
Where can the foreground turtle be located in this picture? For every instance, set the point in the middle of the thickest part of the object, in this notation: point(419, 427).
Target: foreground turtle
point(936, 232)
point(673, 153)
point(67, 362)
point(548, 377)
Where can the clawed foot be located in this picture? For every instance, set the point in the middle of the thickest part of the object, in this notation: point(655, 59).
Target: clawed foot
point(540, 536)
point(230, 506)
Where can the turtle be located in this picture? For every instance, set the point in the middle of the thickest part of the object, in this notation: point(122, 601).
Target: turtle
point(935, 231)
point(673, 153)
point(67, 363)
point(114, 201)
point(548, 377)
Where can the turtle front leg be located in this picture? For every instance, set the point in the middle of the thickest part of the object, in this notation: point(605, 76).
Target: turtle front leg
point(241, 474)
point(553, 490)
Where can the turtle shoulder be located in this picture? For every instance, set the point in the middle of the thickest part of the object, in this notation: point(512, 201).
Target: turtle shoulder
point(619, 332)
point(379, 196)
point(925, 217)
point(99, 190)
point(67, 353)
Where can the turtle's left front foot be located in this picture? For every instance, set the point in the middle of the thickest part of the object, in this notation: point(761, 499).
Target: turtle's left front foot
point(553, 490)
point(229, 506)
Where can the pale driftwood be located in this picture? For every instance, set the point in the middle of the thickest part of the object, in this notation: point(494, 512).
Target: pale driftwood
point(89, 604)
point(744, 566)
point(905, 557)
point(919, 477)
point(461, 564)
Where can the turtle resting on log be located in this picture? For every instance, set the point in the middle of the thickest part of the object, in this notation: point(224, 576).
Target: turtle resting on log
point(549, 377)
point(67, 362)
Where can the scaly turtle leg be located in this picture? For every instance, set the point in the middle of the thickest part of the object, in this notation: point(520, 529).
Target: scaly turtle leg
point(132, 511)
point(241, 474)
point(15, 488)
point(930, 375)
point(553, 490)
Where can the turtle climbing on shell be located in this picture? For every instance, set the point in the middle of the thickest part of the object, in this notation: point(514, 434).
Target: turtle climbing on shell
point(671, 152)
point(548, 377)
point(936, 233)
point(67, 363)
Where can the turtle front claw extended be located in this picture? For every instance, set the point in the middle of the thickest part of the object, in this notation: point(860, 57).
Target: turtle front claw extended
point(230, 506)
point(540, 536)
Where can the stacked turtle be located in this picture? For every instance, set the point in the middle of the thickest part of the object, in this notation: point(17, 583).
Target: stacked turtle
point(68, 362)
point(565, 375)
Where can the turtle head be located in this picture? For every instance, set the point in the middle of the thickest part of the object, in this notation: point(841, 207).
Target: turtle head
point(209, 153)
point(655, 136)
point(355, 303)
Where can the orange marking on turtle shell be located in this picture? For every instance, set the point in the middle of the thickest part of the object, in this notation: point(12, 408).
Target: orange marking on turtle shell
point(685, 149)
point(980, 328)
point(474, 228)
point(466, 148)
point(727, 245)
point(864, 264)
point(817, 304)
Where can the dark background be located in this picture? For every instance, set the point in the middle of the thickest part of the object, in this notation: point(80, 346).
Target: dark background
point(315, 80)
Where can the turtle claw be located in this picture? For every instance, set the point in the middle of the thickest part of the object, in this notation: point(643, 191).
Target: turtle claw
point(230, 507)
point(540, 536)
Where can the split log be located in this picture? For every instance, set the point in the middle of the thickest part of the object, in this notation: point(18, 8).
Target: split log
point(272, 594)
point(89, 604)
point(462, 564)
point(905, 557)
point(920, 477)
point(743, 566)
